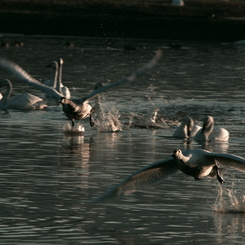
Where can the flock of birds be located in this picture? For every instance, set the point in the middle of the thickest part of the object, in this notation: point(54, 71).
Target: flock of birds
point(74, 109)
point(194, 162)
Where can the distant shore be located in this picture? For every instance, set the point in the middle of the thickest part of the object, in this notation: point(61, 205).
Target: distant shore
point(196, 23)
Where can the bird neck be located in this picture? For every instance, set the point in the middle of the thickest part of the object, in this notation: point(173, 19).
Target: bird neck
point(54, 77)
point(7, 93)
point(59, 82)
point(207, 130)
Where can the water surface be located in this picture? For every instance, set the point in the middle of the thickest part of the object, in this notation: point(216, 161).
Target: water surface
point(48, 177)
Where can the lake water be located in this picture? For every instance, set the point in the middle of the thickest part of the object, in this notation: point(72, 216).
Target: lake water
point(48, 176)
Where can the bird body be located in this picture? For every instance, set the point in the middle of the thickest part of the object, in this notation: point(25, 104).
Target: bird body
point(24, 101)
point(209, 133)
point(193, 162)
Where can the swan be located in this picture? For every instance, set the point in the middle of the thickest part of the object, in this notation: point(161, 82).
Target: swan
point(208, 132)
point(194, 162)
point(60, 87)
point(24, 101)
point(75, 109)
point(56, 78)
point(186, 129)
point(52, 82)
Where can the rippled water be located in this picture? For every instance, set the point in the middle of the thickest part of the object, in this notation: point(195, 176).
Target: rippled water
point(48, 176)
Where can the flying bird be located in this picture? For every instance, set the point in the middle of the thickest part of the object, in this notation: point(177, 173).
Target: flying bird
point(74, 109)
point(194, 162)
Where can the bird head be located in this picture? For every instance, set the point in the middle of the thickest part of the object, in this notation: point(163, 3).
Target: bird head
point(177, 154)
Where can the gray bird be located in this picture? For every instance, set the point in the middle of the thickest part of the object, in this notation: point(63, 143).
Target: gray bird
point(196, 163)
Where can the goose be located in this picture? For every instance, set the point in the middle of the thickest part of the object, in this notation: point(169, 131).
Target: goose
point(186, 129)
point(209, 133)
point(75, 109)
point(24, 101)
point(194, 162)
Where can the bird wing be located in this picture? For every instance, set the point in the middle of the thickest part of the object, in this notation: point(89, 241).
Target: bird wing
point(146, 176)
point(228, 160)
point(23, 76)
point(139, 72)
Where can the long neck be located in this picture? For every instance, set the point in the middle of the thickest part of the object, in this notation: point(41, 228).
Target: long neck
point(7, 93)
point(58, 86)
point(54, 76)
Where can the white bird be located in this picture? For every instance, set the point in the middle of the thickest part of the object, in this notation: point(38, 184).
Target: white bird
point(187, 129)
point(24, 101)
point(52, 82)
point(56, 78)
point(209, 133)
point(196, 163)
point(60, 87)
point(75, 109)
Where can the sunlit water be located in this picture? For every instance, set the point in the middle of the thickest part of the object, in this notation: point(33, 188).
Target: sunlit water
point(49, 174)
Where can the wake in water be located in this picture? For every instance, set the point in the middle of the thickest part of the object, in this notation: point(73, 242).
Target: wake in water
point(229, 201)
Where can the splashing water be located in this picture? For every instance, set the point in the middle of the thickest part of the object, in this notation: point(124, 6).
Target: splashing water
point(78, 129)
point(108, 121)
point(148, 120)
point(229, 201)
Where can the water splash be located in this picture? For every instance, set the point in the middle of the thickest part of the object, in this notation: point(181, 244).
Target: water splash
point(78, 129)
point(229, 201)
point(148, 120)
point(108, 121)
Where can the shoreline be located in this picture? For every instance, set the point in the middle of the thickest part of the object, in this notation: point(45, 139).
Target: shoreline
point(109, 21)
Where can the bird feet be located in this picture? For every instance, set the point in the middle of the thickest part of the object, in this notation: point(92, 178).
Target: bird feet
point(220, 179)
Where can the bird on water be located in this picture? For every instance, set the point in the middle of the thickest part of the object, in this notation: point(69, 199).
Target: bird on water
point(24, 101)
point(74, 109)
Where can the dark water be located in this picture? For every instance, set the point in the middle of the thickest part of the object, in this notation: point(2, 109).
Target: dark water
point(48, 177)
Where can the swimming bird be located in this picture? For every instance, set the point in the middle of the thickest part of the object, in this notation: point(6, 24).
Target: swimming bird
point(75, 109)
point(24, 101)
point(186, 129)
point(55, 80)
point(60, 87)
point(194, 162)
point(209, 133)
point(52, 82)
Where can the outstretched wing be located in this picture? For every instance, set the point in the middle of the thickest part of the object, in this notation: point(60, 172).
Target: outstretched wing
point(228, 160)
point(139, 72)
point(146, 176)
point(23, 76)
